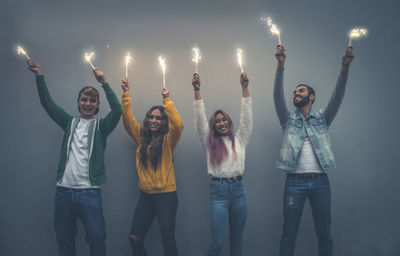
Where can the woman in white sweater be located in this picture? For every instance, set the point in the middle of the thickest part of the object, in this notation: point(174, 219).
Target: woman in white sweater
point(225, 163)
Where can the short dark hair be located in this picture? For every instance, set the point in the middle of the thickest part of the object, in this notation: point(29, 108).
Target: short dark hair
point(309, 89)
point(91, 91)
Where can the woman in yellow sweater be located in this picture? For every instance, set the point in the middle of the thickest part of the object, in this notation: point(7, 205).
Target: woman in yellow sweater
point(157, 139)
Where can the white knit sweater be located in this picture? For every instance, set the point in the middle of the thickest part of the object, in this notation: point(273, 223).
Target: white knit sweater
point(232, 166)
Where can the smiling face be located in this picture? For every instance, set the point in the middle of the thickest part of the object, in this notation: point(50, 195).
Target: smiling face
point(88, 105)
point(221, 125)
point(155, 119)
point(302, 96)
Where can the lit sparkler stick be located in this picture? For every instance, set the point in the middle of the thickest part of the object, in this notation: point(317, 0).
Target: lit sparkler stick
point(21, 50)
point(128, 58)
point(88, 58)
point(356, 33)
point(162, 65)
point(196, 58)
point(272, 27)
point(239, 58)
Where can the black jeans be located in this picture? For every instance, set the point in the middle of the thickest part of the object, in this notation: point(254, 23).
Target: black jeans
point(164, 207)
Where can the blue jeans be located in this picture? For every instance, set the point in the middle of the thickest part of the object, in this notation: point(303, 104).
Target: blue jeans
point(85, 204)
point(298, 188)
point(228, 203)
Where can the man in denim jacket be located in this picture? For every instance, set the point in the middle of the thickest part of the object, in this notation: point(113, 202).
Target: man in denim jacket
point(306, 155)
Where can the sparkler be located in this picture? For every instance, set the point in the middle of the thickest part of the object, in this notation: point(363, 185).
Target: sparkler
point(239, 58)
point(272, 27)
point(356, 33)
point(128, 58)
point(88, 58)
point(21, 50)
point(161, 61)
point(196, 58)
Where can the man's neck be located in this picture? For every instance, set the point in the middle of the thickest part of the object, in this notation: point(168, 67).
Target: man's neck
point(305, 110)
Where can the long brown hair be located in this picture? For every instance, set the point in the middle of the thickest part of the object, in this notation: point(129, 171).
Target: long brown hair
point(217, 148)
point(154, 143)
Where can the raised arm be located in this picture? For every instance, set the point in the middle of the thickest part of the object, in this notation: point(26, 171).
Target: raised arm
point(174, 119)
point(246, 114)
point(199, 113)
point(55, 112)
point(131, 126)
point(279, 98)
point(338, 93)
point(110, 121)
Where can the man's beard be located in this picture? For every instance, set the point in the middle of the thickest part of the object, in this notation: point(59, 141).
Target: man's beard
point(302, 103)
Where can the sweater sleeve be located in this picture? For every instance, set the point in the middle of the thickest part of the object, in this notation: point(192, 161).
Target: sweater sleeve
point(174, 121)
point(336, 98)
point(131, 126)
point(55, 112)
point(200, 122)
point(279, 98)
point(246, 120)
point(110, 121)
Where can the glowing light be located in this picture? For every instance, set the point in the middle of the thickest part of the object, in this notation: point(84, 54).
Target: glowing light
point(272, 27)
point(196, 58)
point(89, 57)
point(21, 50)
point(357, 33)
point(239, 58)
point(128, 58)
point(161, 61)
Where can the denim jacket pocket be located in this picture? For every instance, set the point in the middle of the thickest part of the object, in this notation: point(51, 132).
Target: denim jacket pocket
point(293, 126)
point(319, 125)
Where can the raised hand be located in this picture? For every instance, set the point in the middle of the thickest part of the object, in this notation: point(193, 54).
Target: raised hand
point(34, 67)
point(125, 85)
point(244, 80)
point(99, 76)
point(196, 81)
point(165, 93)
point(348, 56)
point(280, 55)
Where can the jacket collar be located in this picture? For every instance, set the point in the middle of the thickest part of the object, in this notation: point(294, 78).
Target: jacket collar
point(299, 115)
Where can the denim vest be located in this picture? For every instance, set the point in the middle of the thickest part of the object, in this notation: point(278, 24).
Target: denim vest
point(296, 130)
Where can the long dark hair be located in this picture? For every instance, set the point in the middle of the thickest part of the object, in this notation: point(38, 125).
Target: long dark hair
point(154, 143)
point(217, 148)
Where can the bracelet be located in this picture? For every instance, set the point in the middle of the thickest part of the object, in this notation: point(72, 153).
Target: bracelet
point(197, 89)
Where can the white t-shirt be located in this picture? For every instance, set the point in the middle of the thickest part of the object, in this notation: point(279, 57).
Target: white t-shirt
point(76, 174)
point(307, 161)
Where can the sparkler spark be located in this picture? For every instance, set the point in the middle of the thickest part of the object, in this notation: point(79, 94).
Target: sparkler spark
point(161, 61)
point(128, 59)
point(89, 57)
point(196, 58)
point(272, 27)
point(239, 58)
point(21, 50)
point(357, 33)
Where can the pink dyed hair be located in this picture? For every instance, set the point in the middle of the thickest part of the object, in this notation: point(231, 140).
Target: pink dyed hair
point(218, 151)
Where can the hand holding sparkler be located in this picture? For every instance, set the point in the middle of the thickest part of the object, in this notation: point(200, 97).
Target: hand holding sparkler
point(125, 85)
point(280, 55)
point(244, 81)
point(99, 76)
point(165, 93)
point(34, 67)
point(196, 82)
point(347, 58)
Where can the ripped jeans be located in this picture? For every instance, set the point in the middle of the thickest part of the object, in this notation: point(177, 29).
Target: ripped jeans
point(298, 188)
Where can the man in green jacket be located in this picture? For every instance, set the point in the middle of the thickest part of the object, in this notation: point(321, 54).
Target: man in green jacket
point(81, 167)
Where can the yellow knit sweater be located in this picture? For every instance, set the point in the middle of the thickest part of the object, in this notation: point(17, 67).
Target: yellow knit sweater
point(161, 180)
